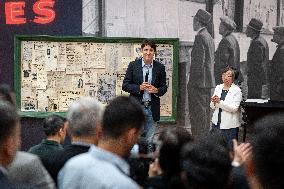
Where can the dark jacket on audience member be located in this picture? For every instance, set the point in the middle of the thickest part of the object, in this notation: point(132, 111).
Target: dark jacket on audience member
point(163, 182)
point(60, 157)
point(46, 149)
point(239, 179)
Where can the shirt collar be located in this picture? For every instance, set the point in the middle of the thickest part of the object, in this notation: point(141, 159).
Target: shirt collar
point(50, 142)
point(143, 63)
point(79, 143)
point(114, 159)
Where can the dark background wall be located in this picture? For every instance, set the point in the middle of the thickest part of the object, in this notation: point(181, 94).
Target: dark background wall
point(67, 13)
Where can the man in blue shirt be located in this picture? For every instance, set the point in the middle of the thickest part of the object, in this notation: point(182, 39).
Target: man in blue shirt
point(104, 166)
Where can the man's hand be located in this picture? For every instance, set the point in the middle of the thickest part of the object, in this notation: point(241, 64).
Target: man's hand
point(242, 152)
point(144, 86)
point(147, 86)
point(152, 89)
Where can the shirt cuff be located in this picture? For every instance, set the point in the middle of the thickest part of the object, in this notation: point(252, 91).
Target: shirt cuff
point(235, 164)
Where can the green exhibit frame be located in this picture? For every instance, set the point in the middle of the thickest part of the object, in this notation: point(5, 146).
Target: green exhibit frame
point(36, 114)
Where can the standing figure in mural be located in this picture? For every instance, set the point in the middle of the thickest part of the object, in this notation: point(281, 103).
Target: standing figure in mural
point(201, 78)
point(257, 61)
point(228, 51)
point(145, 80)
point(277, 66)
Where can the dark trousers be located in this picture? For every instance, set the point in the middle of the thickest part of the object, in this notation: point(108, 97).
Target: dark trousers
point(228, 134)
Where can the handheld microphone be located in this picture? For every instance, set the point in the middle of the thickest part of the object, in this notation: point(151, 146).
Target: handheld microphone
point(146, 76)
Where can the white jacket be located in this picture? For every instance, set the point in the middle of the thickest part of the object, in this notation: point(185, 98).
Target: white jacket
point(230, 116)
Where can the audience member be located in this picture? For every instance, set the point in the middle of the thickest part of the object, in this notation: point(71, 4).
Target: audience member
point(28, 169)
point(104, 166)
point(142, 155)
point(55, 130)
point(206, 164)
point(7, 94)
point(9, 141)
point(241, 154)
point(167, 175)
point(265, 168)
point(84, 117)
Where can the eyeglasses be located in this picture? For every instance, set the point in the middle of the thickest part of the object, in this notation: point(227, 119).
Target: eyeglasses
point(228, 75)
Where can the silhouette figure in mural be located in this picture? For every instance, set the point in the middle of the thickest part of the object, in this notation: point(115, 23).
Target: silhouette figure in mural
point(257, 61)
point(228, 51)
point(277, 66)
point(201, 78)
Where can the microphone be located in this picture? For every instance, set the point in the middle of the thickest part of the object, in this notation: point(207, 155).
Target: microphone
point(146, 76)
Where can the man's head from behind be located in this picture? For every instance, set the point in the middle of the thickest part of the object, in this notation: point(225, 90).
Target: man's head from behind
point(172, 141)
point(206, 163)
point(9, 133)
point(84, 116)
point(268, 151)
point(123, 119)
point(53, 126)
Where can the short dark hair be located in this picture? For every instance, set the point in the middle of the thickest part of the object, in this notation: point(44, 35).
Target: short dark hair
point(52, 124)
point(235, 72)
point(150, 43)
point(206, 163)
point(122, 113)
point(172, 140)
point(8, 119)
point(268, 150)
point(6, 93)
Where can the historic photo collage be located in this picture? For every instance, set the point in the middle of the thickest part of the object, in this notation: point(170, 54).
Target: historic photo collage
point(54, 74)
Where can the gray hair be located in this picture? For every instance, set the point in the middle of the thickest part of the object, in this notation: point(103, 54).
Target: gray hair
point(84, 115)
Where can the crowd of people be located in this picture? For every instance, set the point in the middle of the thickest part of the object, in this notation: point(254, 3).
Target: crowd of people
point(114, 146)
point(102, 155)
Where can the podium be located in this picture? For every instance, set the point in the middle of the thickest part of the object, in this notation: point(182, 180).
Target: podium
point(257, 108)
